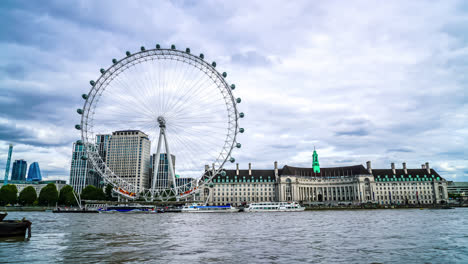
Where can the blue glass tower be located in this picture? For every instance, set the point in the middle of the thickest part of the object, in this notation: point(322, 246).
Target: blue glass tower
point(19, 170)
point(162, 177)
point(34, 173)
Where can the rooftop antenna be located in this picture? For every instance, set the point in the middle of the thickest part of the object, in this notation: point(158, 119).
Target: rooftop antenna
point(7, 169)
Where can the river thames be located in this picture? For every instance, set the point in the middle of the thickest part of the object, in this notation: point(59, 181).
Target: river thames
point(363, 236)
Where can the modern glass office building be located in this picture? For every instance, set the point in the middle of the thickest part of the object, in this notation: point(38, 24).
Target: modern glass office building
point(81, 172)
point(34, 173)
point(19, 170)
point(162, 178)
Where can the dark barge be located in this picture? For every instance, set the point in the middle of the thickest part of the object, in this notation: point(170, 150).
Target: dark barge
point(14, 228)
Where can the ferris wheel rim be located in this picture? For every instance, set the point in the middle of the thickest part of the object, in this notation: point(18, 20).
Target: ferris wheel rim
point(157, 54)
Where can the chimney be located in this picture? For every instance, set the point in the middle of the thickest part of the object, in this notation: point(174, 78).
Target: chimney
point(423, 166)
point(276, 168)
point(207, 167)
point(237, 169)
point(393, 168)
point(428, 168)
point(213, 166)
point(404, 168)
point(250, 169)
point(369, 168)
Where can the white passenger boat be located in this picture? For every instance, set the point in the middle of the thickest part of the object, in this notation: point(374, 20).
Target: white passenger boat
point(274, 207)
point(196, 208)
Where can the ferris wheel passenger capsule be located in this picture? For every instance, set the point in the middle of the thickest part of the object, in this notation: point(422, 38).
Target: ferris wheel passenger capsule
point(128, 53)
point(224, 74)
point(92, 82)
point(238, 145)
point(187, 50)
point(79, 111)
point(202, 56)
point(213, 64)
point(142, 48)
point(158, 46)
point(92, 171)
point(84, 96)
point(79, 142)
point(238, 100)
point(102, 70)
point(78, 127)
point(232, 160)
point(233, 86)
point(241, 115)
point(84, 157)
point(241, 130)
point(173, 46)
point(114, 61)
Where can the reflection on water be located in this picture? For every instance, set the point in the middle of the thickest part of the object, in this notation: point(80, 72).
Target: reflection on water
point(386, 236)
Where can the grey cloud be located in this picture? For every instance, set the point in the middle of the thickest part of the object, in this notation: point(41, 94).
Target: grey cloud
point(250, 58)
point(14, 71)
point(399, 150)
point(12, 134)
point(283, 146)
point(354, 132)
point(345, 161)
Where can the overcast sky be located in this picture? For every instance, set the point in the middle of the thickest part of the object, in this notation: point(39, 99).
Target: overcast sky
point(384, 81)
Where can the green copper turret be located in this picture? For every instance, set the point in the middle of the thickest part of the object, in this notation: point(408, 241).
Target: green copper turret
point(315, 162)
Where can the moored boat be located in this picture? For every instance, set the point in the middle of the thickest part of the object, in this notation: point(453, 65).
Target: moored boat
point(274, 207)
point(14, 228)
point(196, 208)
point(129, 209)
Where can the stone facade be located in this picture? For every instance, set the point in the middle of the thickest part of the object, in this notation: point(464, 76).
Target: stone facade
point(20, 185)
point(338, 185)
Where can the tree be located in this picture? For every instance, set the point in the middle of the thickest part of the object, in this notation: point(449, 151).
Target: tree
point(48, 195)
point(109, 192)
point(92, 193)
point(8, 194)
point(66, 196)
point(27, 196)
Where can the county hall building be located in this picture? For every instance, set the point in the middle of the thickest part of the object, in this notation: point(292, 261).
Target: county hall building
point(338, 185)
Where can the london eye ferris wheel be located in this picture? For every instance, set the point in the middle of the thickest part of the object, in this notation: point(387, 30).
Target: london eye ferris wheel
point(180, 103)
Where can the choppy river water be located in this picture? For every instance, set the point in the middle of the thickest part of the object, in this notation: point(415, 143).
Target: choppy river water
point(362, 236)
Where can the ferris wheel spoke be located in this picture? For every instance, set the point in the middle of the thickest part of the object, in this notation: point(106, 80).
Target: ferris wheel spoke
point(130, 98)
point(207, 98)
point(177, 76)
point(194, 147)
point(181, 89)
point(133, 87)
point(189, 90)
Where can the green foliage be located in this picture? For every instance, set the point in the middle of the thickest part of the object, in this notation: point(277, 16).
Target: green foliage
point(92, 193)
point(48, 195)
point(27, 196)
point(66, 196)
point(109, 192)
point(8, 194)
point(454, 195)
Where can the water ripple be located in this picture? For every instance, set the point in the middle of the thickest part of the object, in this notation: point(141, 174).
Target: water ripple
point(373, 236)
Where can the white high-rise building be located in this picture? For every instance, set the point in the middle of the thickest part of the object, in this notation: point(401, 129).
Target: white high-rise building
point(128, 156)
